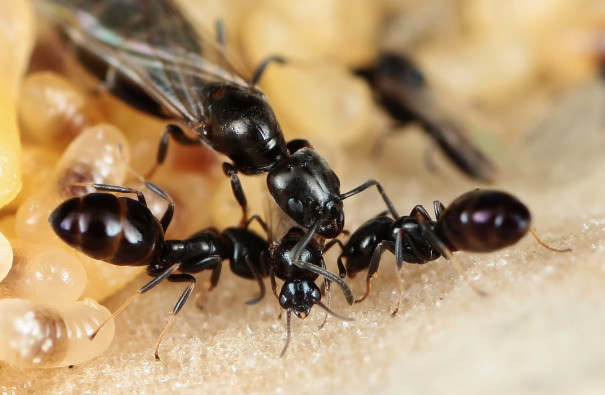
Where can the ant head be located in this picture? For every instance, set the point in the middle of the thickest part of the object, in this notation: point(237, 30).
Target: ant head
point(299, 296)
point(305, 187)
point(484, 221)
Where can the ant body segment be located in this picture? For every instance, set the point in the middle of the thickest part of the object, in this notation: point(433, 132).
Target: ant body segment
point(477, 221)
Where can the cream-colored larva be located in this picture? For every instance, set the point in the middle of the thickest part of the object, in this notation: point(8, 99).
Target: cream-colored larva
point(43, 273)
point(39, 335)
point(6, 257)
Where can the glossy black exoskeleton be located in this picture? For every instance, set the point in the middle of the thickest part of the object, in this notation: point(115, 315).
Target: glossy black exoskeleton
point(478, 221)
point(150, 50)
point(299, 293)
point(123, 231)
point(401, 88)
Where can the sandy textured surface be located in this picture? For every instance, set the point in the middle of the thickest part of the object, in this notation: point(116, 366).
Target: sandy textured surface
point(539, 330)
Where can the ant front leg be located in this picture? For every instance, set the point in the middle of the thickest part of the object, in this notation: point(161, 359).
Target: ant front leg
point(295, 258)
point(381, 190)
point(238, 191)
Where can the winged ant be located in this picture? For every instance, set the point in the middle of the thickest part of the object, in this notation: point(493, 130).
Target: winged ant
point(149, 55)
point(402, 89)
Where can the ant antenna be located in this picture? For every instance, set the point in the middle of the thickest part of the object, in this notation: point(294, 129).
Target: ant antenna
point(543, 244)
point(288, 333)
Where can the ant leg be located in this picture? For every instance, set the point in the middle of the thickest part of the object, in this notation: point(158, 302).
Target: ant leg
point(442, 249)
point(166, 217)
point(161, 277)
point(420, 213)
point(260, 221)
point(374, 264)
point(216, 273)
point(296, 144)
point(295, 255)
point(238, 191)
point(177, 133)
point(259, 280)
point(106, 188)
point(260, 69)
point(342, 272)
point(288, 333)
point(381, 190)
point(274, 286)
point(543, 244)
point(176, 278)
point(329, 295)
point(399, 265)
point(168, 214)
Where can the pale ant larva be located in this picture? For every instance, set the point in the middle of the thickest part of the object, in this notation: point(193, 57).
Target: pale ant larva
point(39, 335)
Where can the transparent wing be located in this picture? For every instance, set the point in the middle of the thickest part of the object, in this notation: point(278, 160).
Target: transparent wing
point(151, 43)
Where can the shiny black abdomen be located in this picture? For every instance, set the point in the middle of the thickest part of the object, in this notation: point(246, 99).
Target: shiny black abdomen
point(114, 229)
point(484, 221)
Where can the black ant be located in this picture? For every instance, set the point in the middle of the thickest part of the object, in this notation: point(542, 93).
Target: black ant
point(123, 231)
point(401, 88)
point(299, 292)
point(157, 61)
point(478, 221)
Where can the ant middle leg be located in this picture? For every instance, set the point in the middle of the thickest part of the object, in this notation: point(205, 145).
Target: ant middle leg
point(381, 190)
point(295, 258)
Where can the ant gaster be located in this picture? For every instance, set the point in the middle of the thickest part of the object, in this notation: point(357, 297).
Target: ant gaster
point(478, 221)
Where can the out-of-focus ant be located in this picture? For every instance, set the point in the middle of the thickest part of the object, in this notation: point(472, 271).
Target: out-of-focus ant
point(478, 221)
point(401, 88)
point(153, 58)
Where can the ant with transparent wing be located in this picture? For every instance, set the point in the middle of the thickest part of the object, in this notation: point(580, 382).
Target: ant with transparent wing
point(478, 221)
point(150, 55)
